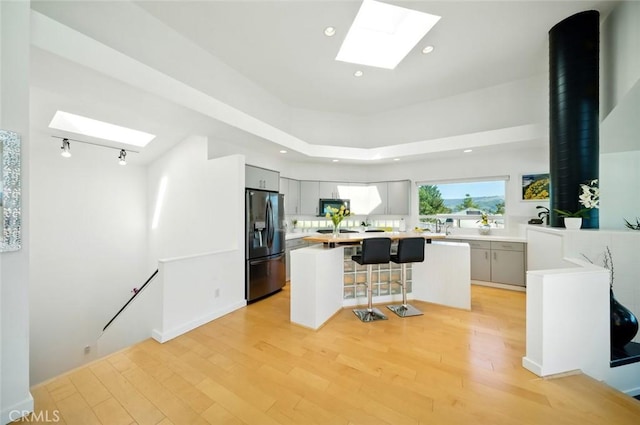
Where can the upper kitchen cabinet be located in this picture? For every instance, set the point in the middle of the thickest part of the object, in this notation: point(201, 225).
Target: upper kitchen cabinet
point(398, 197)
point(378, 198)
point(261, 178)
point(332, 190)
point(393, 196)
point(291, 190)
point(309, 196)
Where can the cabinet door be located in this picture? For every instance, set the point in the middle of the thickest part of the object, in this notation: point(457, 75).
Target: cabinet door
point(327, 190)
point(261, 178)
point(333, 190)
point(398, 197)
point(291, 190)
point(284, 190)
point(480, 264)
point(309, 197)
point(507, 267)
point(380, 193)
point(294, 197)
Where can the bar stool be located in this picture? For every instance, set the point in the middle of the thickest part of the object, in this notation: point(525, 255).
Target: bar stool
point(374, 251)
point(410, 250)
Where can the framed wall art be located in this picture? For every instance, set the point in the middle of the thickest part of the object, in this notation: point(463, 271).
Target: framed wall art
point(535, 187)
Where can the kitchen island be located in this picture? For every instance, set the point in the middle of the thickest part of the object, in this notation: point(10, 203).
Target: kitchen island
point(324, 279)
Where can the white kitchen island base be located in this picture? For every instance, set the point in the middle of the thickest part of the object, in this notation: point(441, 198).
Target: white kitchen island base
point(316, 284)
point(445, 275)
point(317, 281)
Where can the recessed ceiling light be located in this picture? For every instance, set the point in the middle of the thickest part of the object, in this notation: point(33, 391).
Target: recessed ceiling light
point(358, 74)
point(427, 49)
point(335, 160)
point(103, 130)
point(396, 159)
point(329, 31)
point(283, 151)
point(467, 150)
point(382, 34)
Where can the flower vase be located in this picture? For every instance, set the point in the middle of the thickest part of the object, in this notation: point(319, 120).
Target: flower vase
point(484, 229)
point(573, 222)
point(336, 230)
point(624, 324)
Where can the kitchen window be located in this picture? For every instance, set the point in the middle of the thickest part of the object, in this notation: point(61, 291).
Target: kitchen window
point(461, 203)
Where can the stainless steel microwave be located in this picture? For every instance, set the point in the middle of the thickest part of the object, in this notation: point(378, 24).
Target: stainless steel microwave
point(333, 203)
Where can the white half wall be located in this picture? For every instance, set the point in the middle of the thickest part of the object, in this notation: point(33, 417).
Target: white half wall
point(198, 289)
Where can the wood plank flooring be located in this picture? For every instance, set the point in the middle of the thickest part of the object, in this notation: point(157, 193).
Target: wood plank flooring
point(253, 366)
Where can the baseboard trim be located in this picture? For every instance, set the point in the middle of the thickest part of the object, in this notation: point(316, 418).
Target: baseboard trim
point(176, 331)
point(19, 410)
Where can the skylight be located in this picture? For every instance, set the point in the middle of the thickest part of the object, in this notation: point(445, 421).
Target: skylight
point(103, 130)
point(383, 34)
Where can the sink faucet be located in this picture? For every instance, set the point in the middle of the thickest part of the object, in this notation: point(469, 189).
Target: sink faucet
point(438, 225)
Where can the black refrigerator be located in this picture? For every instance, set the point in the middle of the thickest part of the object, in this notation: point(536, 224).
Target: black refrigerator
point(265, 243)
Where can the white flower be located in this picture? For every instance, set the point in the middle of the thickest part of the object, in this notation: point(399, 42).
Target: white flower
point(590, 196)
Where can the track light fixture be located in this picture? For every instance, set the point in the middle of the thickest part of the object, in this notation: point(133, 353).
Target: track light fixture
point(66, 149)
point(122, 159)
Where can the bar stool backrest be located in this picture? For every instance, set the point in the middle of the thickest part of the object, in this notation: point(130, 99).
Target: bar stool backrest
point(410, 250)
point(376, 250)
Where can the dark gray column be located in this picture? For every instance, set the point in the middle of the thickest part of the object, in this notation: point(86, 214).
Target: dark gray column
point(573, 111)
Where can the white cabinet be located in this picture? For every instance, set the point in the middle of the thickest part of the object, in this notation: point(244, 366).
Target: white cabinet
point(378, 198)
point(261, 178)
point(394, 197)
point(385, 198)
point(507, 263)
point(309, 197)
point(398, 197)
point(290, 188)
point(332, 190)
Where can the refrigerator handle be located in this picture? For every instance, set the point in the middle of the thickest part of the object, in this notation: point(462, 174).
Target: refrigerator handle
point(269, 220)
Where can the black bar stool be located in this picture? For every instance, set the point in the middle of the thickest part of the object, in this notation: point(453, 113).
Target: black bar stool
point(410, 250)
point(374, 251)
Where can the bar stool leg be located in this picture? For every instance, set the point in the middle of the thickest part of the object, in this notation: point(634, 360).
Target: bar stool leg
point(404, 309)
point(370, 314)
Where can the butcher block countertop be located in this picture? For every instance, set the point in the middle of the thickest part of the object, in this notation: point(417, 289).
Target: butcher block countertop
point(350, 238)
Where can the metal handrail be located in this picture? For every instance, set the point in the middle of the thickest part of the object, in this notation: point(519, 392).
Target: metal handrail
point(130, 299)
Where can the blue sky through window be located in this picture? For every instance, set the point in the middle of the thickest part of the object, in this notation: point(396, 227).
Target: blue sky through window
point(475, 189)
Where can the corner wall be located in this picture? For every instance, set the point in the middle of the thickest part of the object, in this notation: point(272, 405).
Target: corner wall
point(14, 266)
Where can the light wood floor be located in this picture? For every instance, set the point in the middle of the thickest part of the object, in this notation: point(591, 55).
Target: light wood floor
point(254, 367)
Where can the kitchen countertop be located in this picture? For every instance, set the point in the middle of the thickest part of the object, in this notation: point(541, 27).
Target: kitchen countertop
point(497, 238)
point(347, 238)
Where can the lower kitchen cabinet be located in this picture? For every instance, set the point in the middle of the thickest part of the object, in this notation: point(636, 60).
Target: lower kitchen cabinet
point(507, 263)
point(291, 245)
point(480, 260)
point(496, 261)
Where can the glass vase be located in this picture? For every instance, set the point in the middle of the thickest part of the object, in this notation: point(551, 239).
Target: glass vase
point(336, 230)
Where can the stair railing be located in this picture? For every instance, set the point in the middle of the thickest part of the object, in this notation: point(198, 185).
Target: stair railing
point(135, 294)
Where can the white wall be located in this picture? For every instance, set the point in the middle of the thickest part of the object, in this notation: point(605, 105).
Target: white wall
point(89, 242)
point(14, 266)
point(620, 108)
point(203, 207)
point(619, 46)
